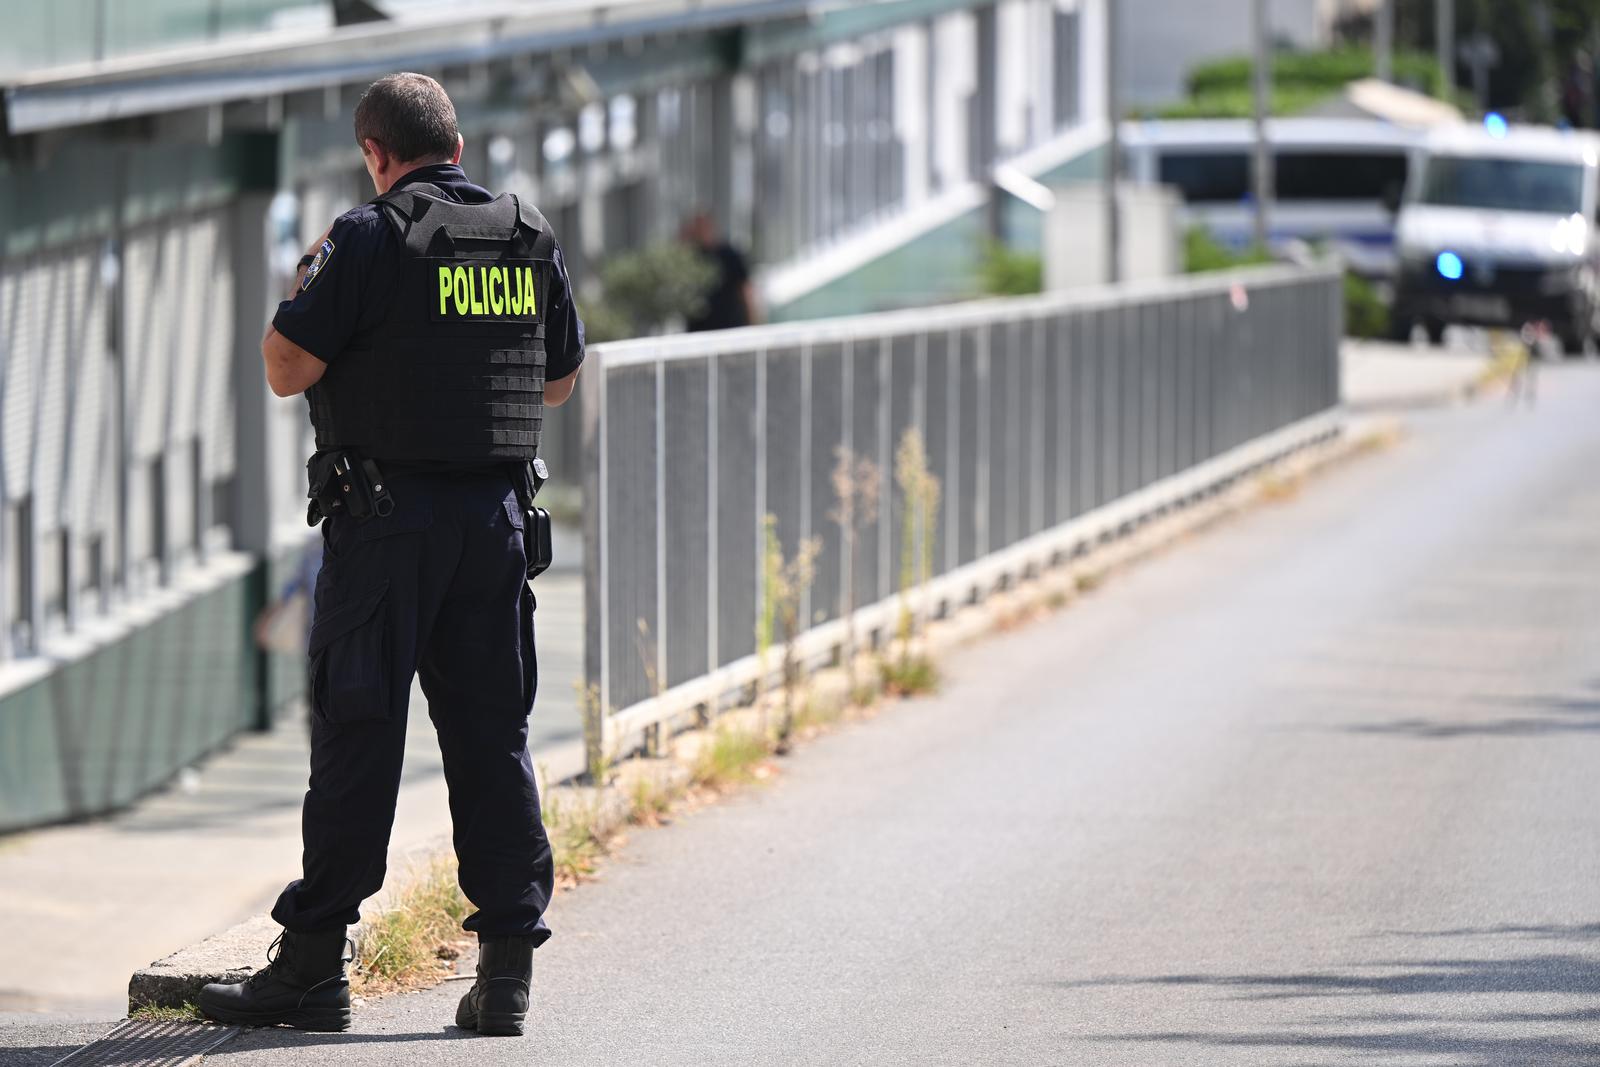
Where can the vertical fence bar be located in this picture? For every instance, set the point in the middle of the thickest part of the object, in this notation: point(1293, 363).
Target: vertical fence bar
point(984, 485)
point(847, 439)
point(1016, 360)
point(886, 448)
point(1039, 355)
point(713, 493)
point(660, 635)
point(1066, 353)
point(760, 500)
point(596, 675)
point(1108, 324)
point(952, 512)
point(806, 437)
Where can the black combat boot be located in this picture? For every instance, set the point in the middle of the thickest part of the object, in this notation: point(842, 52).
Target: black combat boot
point(302, 986)
point(498, 1001)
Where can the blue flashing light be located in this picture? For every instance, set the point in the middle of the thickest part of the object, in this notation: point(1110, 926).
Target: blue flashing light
point(1450, 266)
point(1496, 124)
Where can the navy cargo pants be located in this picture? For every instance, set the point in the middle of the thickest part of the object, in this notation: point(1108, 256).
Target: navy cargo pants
point(436, 588)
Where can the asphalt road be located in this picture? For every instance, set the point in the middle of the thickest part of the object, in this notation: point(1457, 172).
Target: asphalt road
point(1321, 787)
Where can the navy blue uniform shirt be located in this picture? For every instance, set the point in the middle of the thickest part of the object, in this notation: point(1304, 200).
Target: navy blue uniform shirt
point(355, 283)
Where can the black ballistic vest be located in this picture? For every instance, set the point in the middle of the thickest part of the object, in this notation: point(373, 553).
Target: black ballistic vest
point(455, 375)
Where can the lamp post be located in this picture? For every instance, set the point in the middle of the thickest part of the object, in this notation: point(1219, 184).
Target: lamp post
point(1261, 160)
point(1445, 33)
point(1113, 163)
point(1383, 40)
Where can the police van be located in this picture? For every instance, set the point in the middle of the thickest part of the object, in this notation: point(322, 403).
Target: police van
point(1336, 180)
point(1497, 228)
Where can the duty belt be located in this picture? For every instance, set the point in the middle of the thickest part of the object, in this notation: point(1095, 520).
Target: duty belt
point(342, 483)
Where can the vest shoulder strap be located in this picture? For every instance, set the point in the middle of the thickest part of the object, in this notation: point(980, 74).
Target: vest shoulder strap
point(529, 218)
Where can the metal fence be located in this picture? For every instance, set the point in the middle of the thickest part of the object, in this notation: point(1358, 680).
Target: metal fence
point(1035, 412)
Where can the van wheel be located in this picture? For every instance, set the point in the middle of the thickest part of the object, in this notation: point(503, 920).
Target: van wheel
point(1574, 341)
point(1435, 330)
point(1400, 329)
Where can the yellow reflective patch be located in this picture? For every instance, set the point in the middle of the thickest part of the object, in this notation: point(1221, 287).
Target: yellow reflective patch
point(486, 293)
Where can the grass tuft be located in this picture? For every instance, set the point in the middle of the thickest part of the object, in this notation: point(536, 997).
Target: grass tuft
point(162, 1013)
point(818, 714)
point(1378, 440)
point(649, 801)
point(412, 943)
point(865, 695)
point(576, 840)
point(907, 676)
point(730, 759)
point(1277, 486)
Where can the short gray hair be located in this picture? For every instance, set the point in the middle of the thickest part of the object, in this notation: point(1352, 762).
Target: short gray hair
point(410, 115)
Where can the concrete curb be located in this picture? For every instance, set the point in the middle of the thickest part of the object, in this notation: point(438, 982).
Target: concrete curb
point(232, 955)
point(1451, 396)
point(1478, 376)
point(236, 953)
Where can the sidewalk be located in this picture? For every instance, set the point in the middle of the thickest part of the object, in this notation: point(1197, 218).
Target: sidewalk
point(1378, 374)
point(82, 907)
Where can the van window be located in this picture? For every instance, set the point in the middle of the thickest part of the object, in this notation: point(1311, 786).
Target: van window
point(1340, 175)
point(1207, 177)
point(1503, 184)
point(1213, 177)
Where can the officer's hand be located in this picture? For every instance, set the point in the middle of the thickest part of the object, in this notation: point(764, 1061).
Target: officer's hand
point(316, 246)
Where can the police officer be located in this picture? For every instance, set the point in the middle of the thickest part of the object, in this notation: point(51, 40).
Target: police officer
point(428, 328)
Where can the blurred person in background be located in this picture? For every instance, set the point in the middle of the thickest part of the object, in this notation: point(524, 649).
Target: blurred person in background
point(731, 301)
point(428, 330)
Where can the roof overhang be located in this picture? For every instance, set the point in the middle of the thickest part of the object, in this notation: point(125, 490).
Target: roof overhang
point(272, 64)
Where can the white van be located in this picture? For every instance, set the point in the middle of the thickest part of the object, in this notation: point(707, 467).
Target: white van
point(1498, 229)
point(1335, 177)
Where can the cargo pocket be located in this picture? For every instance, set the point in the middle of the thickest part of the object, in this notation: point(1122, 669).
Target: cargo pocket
point(351, 660)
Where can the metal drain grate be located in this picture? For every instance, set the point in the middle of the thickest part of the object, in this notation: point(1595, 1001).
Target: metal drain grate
point(137, 1044)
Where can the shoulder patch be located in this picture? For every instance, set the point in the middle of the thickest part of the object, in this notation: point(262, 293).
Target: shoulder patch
point(318, 263)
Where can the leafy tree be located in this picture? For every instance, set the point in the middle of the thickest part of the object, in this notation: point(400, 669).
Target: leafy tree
point(645, 290)
point(1520, 82)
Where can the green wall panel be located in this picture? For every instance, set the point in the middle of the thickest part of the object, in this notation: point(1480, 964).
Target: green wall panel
point(31, 775)
point(939, 266)
point(285, 674)
point(101, 731)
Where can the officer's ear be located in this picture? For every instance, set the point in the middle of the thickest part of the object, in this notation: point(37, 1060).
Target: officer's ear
point(460, 144)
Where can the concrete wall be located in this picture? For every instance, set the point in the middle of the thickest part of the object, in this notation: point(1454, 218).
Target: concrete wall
point(1075, 235)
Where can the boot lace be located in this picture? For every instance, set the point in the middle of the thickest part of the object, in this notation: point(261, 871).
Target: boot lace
point(274, 954)
point(276, 957)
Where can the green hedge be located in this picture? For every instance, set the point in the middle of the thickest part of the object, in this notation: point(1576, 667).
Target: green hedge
point(1327, 72)
point(1365, 313)
point(1300, 82)
point(1202, 252)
